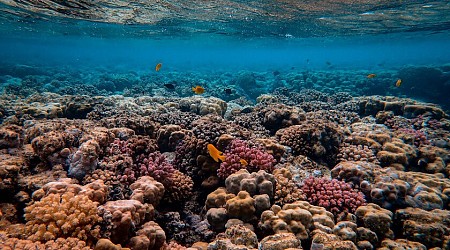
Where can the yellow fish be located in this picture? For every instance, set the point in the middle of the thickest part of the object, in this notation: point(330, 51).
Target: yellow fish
point(198, 90)
point(243, 162)
point(158, 67)
point(215, 153)
point(398, 83)
point(371, 76)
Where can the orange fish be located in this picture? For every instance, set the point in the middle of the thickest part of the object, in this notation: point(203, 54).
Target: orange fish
point(198, 90)
point(398, 83)
point(158, 67)
point(371, 76)
point(215, 153)
point(243, 162)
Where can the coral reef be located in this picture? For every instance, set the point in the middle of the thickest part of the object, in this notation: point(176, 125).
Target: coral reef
point(301, 168)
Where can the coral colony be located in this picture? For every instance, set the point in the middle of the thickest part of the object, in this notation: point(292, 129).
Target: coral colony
point(298, 169)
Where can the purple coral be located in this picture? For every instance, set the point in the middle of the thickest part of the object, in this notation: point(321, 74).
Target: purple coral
point(239, 150)
point(334, 195)
point(418, 137)
point(156, 166)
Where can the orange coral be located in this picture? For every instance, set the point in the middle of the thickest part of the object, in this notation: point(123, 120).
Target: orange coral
point(62, 215)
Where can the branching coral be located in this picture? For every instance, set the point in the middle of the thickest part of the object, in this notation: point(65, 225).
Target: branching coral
point(239, 155)
point(178, 185)
point(62, 215)
point(336, 196)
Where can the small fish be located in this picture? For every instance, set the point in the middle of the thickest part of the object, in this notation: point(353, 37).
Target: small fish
point(169, 86)
point(227, 91)
point(371, 76)
point(243, 162)
point(398, 83)
point(215, 153)
point(198, 90)
point(276, 73)
point(158, 67)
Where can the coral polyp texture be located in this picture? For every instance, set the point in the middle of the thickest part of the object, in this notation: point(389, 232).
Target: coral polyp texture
point(240, 155)
point(334, 195)
point(296, 170)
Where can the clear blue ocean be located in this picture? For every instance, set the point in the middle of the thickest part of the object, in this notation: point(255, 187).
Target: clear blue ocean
point(150, 108)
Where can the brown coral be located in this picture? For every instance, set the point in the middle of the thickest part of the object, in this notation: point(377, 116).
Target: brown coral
point(299, 218)
point(319, 140)
point(122, 215)
point(431, 228)
point(377, 219)
point(150, 236)
point(62, 215)
point(147, 190)
point(241, 207)
point(286, 190)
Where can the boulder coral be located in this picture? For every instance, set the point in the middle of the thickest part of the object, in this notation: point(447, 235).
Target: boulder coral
point(396, 189)
point(235, 237)
point(122, 216)
point(259, 182)
point(280, 241)
point(147, 190)
point(299, 218)
point(319, 140)
point(150, 236)
point(431, 228)
point(377, 219)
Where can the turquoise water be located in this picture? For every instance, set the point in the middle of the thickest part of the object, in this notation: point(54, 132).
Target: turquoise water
point(214, 52)
point(348, 35)
point(356, 91)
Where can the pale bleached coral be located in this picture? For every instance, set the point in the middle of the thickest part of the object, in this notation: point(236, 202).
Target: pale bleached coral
point(147, 190)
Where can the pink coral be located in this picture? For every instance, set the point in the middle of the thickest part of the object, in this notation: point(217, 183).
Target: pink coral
point(177, 184)
point(412, 136)
point(240, 150)
point(334, 195)
point(156, 166)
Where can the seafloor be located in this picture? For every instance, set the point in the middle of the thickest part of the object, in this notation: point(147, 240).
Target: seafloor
point(311, 160)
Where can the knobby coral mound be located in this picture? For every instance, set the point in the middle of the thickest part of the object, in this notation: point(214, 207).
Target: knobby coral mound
point(319, 140)
point(62, 215)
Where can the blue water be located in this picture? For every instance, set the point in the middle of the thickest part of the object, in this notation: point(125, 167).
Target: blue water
point(379, 38)
point(356, 52)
